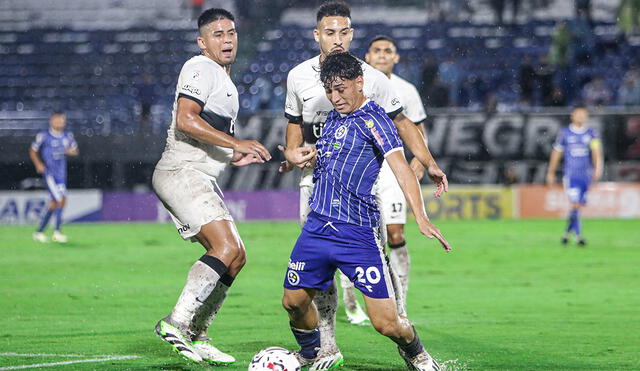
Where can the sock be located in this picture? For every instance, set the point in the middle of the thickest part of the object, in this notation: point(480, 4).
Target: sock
point(348, 293)
point(309, 341)
point(400, 263)
point(327, 303)
point(45, 220)
point(201, 280)
point(414, 347)
point(571, 223)
point(397, 289)
point(58, 219)
point(209, 310)
point(576, 221)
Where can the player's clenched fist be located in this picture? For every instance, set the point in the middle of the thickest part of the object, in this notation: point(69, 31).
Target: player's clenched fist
point(300, 157)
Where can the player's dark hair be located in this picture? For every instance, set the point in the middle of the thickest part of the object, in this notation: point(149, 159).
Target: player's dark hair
point(382, 37)
point(214, 14)
point(333, 9)
point(56, 113)
point(340, 66)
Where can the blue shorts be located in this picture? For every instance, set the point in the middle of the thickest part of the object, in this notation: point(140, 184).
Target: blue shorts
point(576, 188)
point(325, 245)
point(56, 187)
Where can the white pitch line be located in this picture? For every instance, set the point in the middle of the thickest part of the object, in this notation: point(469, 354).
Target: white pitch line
point(46, 355)
point(38, 365)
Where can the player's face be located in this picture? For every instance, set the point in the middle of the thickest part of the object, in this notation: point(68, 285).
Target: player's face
point(382, 55)
point(579, 116)
point(58, 122)
point(346, 95)
point(218, 40)
point(334, 34)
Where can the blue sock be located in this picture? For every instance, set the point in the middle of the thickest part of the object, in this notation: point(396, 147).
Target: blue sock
point(575, 214)
point(58, 213)
point(45, 220)
point(309, 341)
point(571, 221)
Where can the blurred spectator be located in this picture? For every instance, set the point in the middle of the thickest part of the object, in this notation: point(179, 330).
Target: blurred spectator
point(560, 52)
point(583, 10)
point(498, 7)
point(438, 94)
point(629, 92)
point(583, 41)
point(429, 74)
point(450, 74)
point(544, 81)
point(146, 97)
point(629, 16)
point(526, 81)
point(557, 98)
point(596, 92)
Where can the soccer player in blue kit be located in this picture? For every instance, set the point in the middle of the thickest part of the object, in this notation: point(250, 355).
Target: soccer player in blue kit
point(342, 230)
point(582, 165)
point(49, 152)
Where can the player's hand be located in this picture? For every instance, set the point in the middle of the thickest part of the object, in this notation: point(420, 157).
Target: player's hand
point(285, 166)
point(72, 151)
point(243, 159)
point(439, 178)
point(299, 157)
point(253, 147)
point(40, 169)
point(417, 168)
point(551, 180)
point(430, 230)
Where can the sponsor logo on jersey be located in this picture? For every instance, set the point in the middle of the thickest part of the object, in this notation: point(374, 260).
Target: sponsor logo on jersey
point(376, 135)
point(336, 145)
point(341, 132)
point(196, 75)
point(293, 277)
point(297, 266)
point(191, 89)
point(369, 124)
point(395, 101)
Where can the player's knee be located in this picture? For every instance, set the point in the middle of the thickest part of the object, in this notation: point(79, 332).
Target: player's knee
point(292, 305)
point(239, 262)
point(395, 236)
point(387, 327)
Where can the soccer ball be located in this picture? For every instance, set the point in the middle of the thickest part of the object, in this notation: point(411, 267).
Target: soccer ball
point(274, 359)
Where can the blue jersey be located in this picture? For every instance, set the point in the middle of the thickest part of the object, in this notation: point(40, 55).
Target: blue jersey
point(52, 149)
point(351, 150)
point(576, 145)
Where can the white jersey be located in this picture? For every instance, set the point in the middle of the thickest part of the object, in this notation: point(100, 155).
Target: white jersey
point(208, 84)
point(411, 102)
point(307, 103)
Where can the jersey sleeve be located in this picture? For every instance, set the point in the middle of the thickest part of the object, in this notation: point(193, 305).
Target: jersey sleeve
point(292, 106)
point(71, 141)
point(413, 107)
point(384, 133)
point(559, 144)
point(197, 80)
point(384, 94)
point(37, 142)
point(595, 140)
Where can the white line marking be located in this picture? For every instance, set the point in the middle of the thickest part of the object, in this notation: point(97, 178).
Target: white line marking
point(46, 355)
point(37, 365)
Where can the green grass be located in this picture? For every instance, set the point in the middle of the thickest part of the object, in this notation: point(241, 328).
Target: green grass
point(508, 297)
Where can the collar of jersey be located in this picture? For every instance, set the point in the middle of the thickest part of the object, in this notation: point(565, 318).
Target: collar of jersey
point(53, 133)
point(576, 130)
point(366, 101)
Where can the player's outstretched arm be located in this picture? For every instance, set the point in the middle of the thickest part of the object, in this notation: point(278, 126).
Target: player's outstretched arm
point(414, 140)
point(553, 165)
point(37, 162)
point(189, 122)
point(411, 189)
point(294, 153)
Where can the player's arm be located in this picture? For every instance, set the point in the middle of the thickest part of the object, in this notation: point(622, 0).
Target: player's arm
point(415, 164)
point(596, 158)
point(72, 148)
point(556, 155)
point(294, 153)
point(188, 121)
point(411, 189)
point(37, 162)
point(414, 140)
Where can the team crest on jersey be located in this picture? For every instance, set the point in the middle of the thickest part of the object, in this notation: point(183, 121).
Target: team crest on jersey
point(196, 75)
point(341, 132)
point(369, 124)
point(293, 277)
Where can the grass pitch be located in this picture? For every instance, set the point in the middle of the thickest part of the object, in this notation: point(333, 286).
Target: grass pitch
point(508, 297)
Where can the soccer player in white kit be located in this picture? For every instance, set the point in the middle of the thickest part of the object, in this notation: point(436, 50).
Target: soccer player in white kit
point(306, 108)
point(200, 143)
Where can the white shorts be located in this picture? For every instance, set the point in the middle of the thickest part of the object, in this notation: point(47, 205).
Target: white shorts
point(393, 205)
point(191, 199)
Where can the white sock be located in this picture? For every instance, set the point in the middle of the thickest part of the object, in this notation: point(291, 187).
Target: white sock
point(201, 280)
point(400, 262)
point(327, 304)
point(348, 293)
point(208, 311)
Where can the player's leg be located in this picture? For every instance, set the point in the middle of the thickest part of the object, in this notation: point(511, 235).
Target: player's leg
point(57, 233)
point(326, 301)
point(355, 314)
point(399, 255)
point(303, 319)
point(39, 235)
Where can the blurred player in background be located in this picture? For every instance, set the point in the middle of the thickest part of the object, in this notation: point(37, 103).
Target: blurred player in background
point(306, 108)
point(582, 151)
point(200, 144)
point(343, 227)
point(49, 152)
